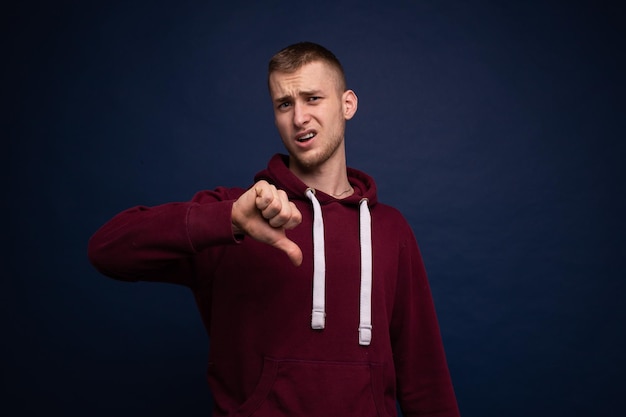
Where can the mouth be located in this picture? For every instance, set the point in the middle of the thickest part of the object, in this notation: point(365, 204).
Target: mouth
point(303, 138)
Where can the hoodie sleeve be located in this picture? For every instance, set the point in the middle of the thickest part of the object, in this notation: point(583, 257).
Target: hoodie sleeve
point(160, 243)
point(423, 379)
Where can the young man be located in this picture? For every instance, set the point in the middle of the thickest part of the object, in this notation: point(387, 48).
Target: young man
point(344, 325)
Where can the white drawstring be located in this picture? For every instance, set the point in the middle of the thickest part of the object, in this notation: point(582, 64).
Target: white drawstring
point(319, 264)
point(318, 315)
point(365, 315)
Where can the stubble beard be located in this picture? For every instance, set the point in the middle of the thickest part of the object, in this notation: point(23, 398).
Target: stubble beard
point(312, 160)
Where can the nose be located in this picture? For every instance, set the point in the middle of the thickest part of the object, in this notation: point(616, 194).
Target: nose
point(301, 115)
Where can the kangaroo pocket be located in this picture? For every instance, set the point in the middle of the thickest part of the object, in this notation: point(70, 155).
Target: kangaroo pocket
point(311, 388)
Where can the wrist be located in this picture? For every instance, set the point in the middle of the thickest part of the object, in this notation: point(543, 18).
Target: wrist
point(238, 232)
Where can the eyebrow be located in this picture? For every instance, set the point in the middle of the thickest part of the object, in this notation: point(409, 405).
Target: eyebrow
point(301, 94)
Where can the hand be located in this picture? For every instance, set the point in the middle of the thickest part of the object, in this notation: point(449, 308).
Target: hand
point(264, 213)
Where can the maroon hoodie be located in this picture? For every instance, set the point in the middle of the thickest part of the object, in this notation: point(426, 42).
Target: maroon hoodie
point(314, 340)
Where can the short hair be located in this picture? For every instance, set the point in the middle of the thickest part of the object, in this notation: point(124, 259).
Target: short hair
point(293, 57)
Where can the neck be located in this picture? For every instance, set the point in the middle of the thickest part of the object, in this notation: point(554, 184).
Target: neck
point(329, 178)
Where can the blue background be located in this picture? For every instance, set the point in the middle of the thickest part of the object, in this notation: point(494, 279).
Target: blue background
point(495, 127)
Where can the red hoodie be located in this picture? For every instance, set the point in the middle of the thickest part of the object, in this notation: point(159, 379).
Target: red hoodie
point(314, 340)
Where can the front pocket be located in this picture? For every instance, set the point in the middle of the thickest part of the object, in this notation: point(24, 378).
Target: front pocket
point(316, 388)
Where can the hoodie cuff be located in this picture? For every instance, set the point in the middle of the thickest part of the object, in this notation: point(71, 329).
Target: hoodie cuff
point(211, 224)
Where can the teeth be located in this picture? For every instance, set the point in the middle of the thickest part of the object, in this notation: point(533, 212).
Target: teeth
point(306, 137)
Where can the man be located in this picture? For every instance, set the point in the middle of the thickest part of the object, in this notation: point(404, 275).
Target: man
point(344, 325)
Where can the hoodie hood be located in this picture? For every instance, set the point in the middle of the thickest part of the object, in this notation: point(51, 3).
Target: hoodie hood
point(363, 198)
point(278, 173)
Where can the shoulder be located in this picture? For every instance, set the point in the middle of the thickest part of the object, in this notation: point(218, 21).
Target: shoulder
point(390, 222)
point(389, 214)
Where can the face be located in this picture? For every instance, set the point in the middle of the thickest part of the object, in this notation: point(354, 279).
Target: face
point(310, 113)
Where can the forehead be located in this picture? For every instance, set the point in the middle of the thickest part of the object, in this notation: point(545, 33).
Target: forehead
point(314, 76)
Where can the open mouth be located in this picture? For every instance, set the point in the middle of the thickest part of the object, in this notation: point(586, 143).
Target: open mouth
point(306, 137)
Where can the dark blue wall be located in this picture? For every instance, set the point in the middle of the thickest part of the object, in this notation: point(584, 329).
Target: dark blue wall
point(496, 127)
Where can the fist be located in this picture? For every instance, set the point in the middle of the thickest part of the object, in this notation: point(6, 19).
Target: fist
point(264, 213)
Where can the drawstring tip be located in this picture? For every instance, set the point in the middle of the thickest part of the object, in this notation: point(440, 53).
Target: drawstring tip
point(365, 335)
point(318, 320)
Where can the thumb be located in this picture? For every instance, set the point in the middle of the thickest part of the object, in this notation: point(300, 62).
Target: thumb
point(292, 250)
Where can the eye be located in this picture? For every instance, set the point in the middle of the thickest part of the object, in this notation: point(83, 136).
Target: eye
point(313, 99)
point(283, 105)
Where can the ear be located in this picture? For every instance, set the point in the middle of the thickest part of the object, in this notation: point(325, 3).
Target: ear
point(350, 103)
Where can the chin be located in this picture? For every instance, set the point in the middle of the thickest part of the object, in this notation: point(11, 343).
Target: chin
point(303, 163)
point(312, 159)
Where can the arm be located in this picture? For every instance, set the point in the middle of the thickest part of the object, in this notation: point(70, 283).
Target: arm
point(159, 243)
point(424, 383)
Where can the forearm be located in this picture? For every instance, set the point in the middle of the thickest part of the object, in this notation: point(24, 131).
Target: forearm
point(159, 243)
point(424, 385)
